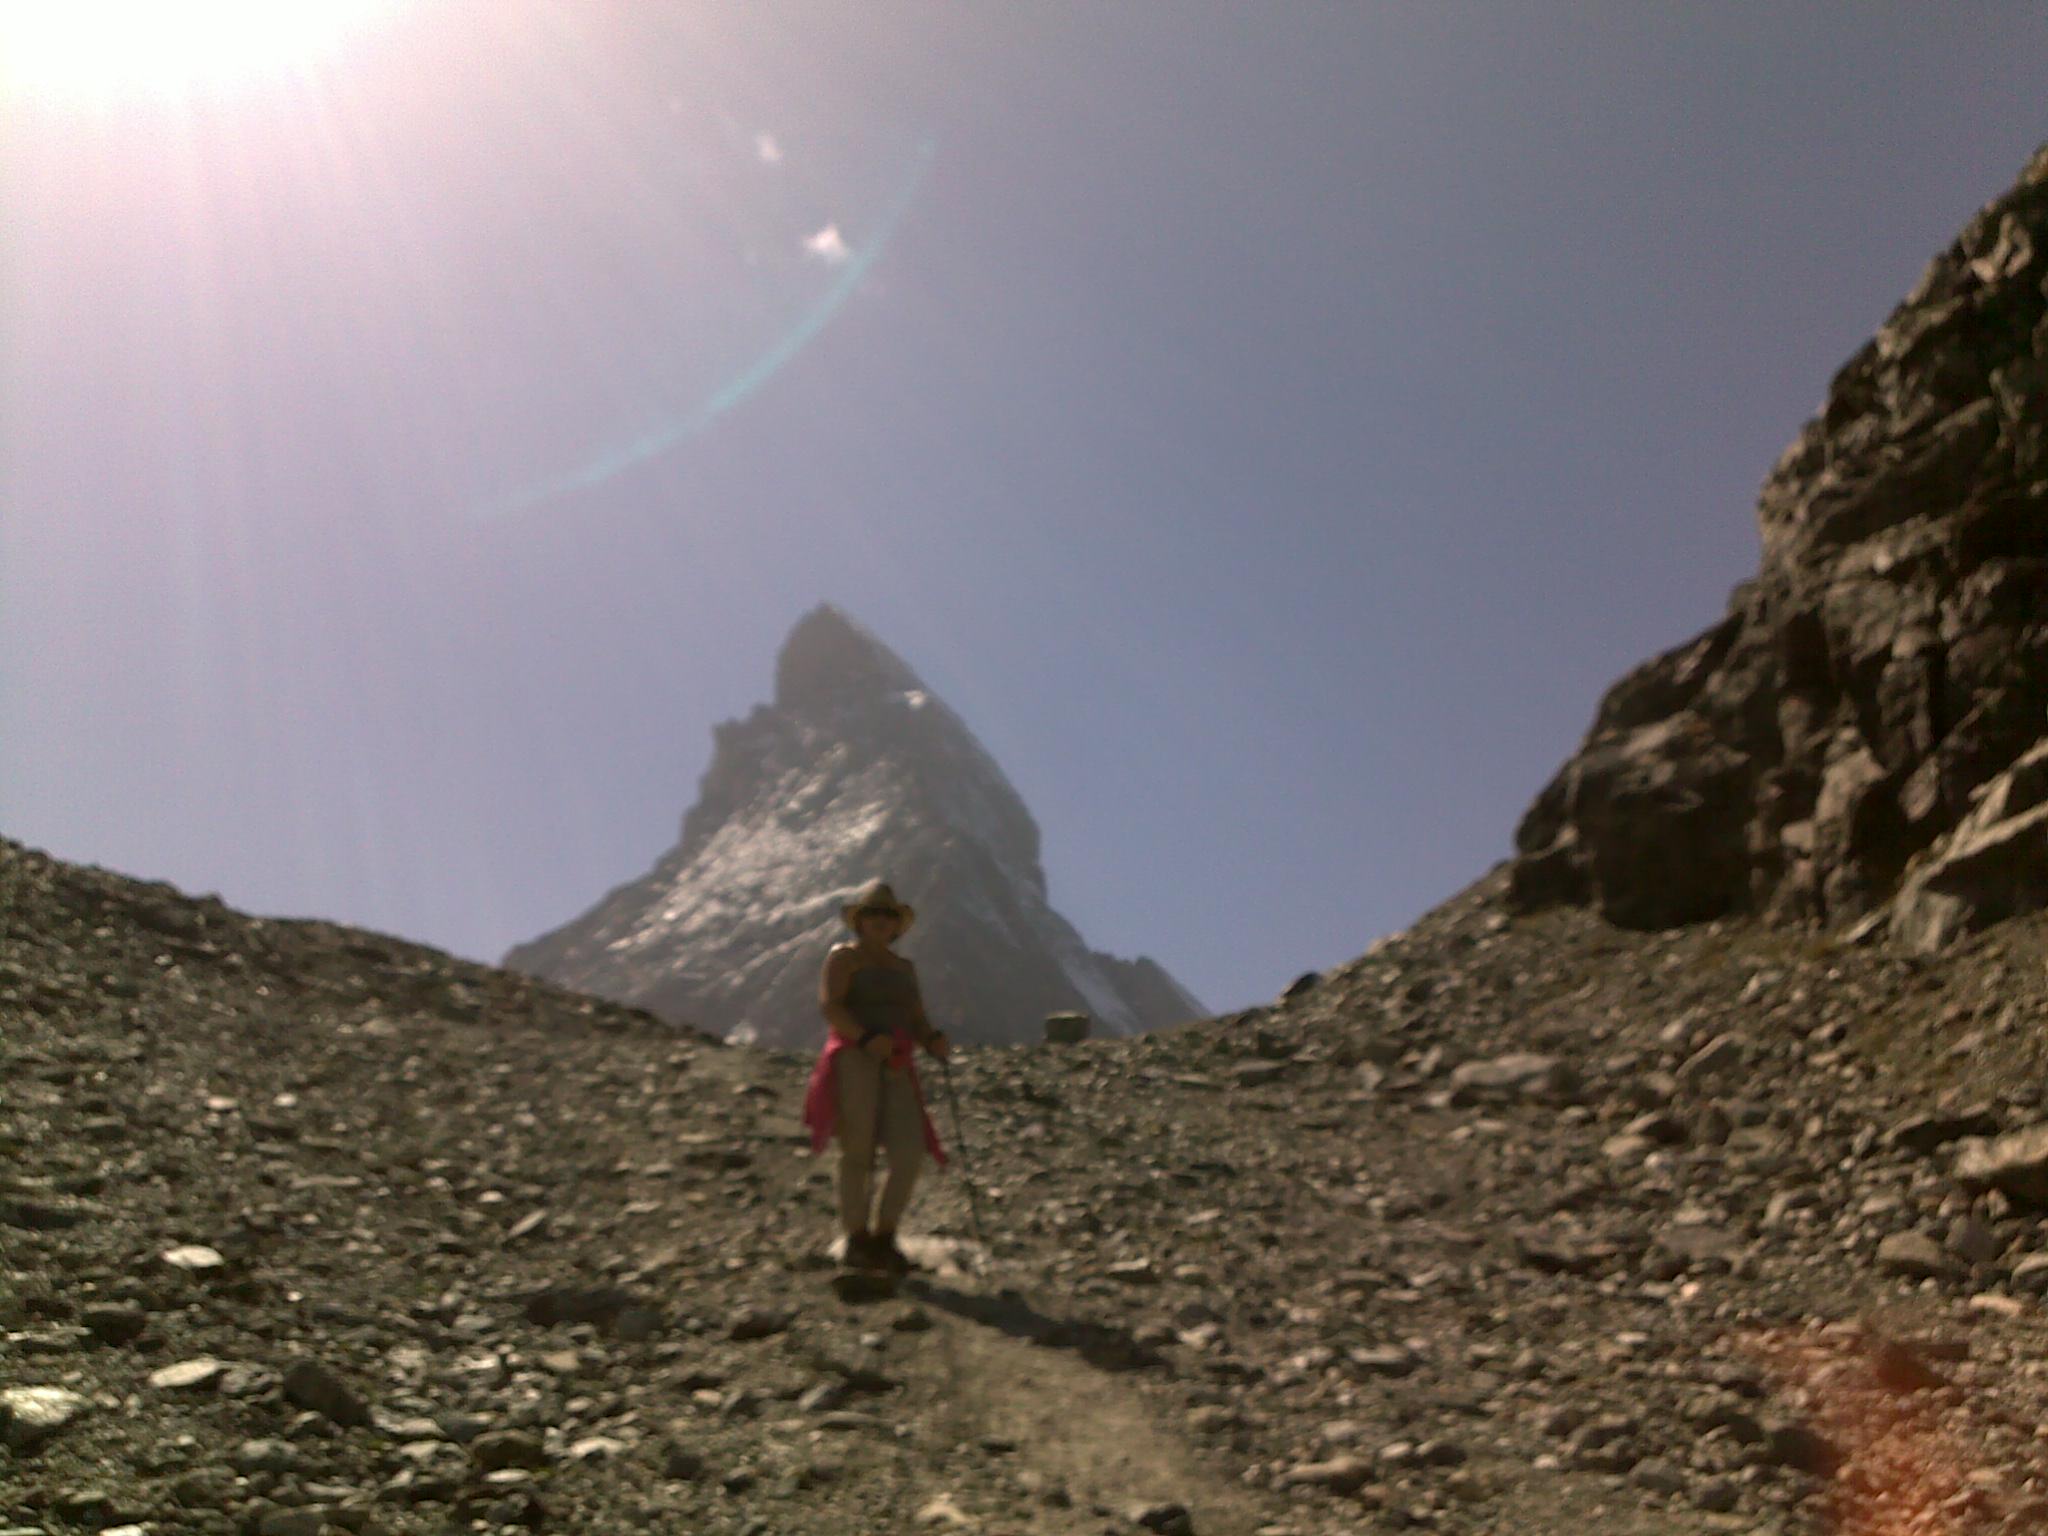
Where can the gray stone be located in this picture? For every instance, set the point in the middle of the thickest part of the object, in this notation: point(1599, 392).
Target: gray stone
point(414, 1428)
point(1803, 1449)
point(31, 1415)
point(194, 1258)
point(59, 1339)
point(202, 1374)
point(1919, 1257)
point(36, 1215)
point(825, 1396)
point(2016, 1164)
point(462, 1428)
point(1257, 1074)
point(1721, 1055)
point(500, 1448)
point(1066, 1028)
point(1717, 1495)
point(851, 1419)
point(1657, 1475)
point(1687, 1247)
point(620, 1312)
point(637, 1325)
point(2030, 1274)
point(680, 1463)
point(310, 1385)
point(1167, 1519)
point(756, 1322)
point(1927, 1133)
point(1438, 1452)
point(1973, 1242)
point(1993, 866)
point(1564, 1253)
point(266, 1456)
point(1658, 1125)
point(1780, 1208)
point(1519, 1073)
point(115, 1322)
point(1338, 1474)
point(1383, 1360)
point(1133, 1271)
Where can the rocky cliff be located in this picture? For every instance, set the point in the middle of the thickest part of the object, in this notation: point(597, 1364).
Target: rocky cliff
point(855, 771)
point(1862, 737)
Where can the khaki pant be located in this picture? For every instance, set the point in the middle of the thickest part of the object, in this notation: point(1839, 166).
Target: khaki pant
point(877, 1106)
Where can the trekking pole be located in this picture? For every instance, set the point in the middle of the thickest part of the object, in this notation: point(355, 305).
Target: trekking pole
point(960, 1135)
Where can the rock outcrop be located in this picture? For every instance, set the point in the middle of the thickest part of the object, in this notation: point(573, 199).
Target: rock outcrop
point(856, 771)
point(1855, 726)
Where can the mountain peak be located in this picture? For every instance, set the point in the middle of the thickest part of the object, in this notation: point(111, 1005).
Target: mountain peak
point(855, 770)
point(829, 658)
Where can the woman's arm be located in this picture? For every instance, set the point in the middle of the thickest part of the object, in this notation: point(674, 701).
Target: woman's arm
point(928, 1034)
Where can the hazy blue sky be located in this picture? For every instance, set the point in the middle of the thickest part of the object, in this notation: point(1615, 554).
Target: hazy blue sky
point(1270, 426)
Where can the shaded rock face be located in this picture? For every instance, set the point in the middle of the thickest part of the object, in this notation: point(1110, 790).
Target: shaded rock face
point(1844, 732)
point(854, 772)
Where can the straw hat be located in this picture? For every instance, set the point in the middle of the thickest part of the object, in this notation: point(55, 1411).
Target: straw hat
point(879, 898)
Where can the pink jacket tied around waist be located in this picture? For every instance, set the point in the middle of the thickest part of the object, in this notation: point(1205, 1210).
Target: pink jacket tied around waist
point(821, 1098)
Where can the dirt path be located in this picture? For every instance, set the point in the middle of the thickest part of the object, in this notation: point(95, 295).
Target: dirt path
point(1086, 1431)
point(1059, 1402)
point(1062, 1405)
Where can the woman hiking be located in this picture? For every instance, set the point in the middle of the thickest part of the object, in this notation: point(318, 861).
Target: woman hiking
point(865, 1083)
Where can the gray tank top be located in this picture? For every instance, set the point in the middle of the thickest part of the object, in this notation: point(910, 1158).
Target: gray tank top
point(881, 997)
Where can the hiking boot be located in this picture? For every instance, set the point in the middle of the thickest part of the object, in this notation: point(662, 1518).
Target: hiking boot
point(864, 1251)
point(892, 1258)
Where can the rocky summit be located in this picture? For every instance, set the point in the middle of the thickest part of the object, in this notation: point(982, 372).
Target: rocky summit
point(855, 771)
point(1861, 739)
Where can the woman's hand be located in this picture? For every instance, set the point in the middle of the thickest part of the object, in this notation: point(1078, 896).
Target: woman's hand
point(881, 1046)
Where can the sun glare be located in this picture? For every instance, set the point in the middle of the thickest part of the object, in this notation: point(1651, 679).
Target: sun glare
point(85, 50)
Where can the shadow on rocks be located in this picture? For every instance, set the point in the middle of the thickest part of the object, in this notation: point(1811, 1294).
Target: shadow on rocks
point(1102, 1345)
